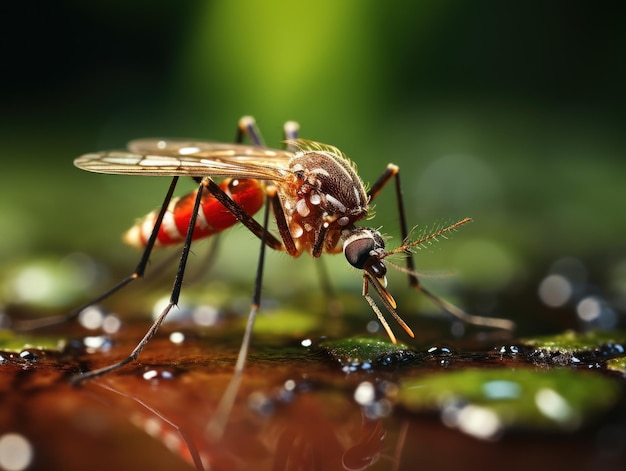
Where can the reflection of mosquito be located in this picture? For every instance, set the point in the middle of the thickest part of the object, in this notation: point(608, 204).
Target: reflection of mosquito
point(186, 448)
point(316, 197)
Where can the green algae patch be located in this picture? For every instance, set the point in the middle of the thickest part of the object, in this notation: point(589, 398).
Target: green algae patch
point(361, 353)
point(572, 348)
point(486, 402)
point(571, 341)
point(15, 343)
point(617, 364)
point(286, 322)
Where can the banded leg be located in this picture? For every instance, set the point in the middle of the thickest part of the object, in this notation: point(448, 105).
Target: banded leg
point(393, 172)
point(178, 283)
point(31, 324)
point(246, 127)
point(217, 425)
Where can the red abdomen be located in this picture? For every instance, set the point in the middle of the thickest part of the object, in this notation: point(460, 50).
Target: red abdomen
point(213, 217)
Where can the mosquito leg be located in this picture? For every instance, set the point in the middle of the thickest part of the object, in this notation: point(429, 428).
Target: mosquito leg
point(290, 131)
point(393, 171)
point(178, 283)
point(243, 217)
point(216, 426)
point(247, 127)
point(334, 305)
point(138, 273)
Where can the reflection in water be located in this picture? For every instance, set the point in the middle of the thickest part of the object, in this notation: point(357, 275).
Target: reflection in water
point(367, 450)
point(156, 425)
point(308, 430)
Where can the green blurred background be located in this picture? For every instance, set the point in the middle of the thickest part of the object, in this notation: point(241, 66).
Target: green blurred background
point(509, 112)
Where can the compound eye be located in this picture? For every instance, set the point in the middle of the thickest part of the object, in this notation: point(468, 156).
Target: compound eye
point(357, 251)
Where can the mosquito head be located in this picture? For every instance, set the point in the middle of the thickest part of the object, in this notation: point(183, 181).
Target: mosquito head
point(364, 249)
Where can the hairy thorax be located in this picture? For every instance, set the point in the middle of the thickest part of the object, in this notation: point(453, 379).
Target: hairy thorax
point(325, 195)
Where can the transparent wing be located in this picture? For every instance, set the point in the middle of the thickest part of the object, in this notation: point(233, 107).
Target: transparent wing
point(193, 158)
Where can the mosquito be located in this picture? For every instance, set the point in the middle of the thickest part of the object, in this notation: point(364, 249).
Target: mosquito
point(316, 198)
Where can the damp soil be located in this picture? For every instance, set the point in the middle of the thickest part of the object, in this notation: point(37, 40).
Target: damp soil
point(316, 403)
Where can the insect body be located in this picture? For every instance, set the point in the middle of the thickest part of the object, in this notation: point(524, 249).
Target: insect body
point(316, 197)
point(212, 217)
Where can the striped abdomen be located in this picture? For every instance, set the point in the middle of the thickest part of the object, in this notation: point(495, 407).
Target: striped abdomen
point(213, 217)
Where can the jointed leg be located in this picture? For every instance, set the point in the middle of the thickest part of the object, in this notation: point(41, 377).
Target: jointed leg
point(393, 171)
point(178, 283)
point(138, 273)
point(216, 427)
point(247, 127)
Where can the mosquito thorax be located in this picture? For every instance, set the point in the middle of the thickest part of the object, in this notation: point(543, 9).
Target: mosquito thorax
point(324, 196)
point(364, 249)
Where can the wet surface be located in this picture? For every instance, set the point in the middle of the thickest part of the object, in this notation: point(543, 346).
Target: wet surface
point(306, 404)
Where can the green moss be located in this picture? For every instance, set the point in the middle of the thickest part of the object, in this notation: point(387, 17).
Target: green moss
point(286, 322)
point(365, 353)
point(12, 342)
point(617, 364)
point(484, 403)
point(571, 341)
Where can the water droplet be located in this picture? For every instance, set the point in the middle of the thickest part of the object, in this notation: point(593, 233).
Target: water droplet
point(111, 324)
point(589, 309)
point(555, 290)
point(372, 327)
point(28, 355)
point(177, 338)
point(596, 311)
point(157, 373)
point(364, 393)
point(440, 351)
point(205, 315)
point(611, 349)
point(16, 452)
point(91, 318)
point(511, 350)
point(94, 343)
point(150, 374)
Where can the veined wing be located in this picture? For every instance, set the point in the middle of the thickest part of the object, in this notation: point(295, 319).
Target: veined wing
point(193, 158)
